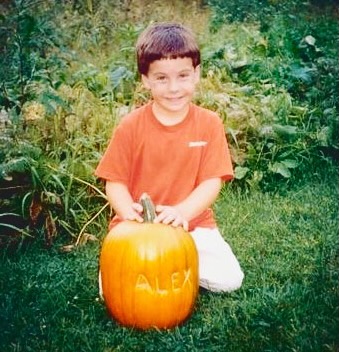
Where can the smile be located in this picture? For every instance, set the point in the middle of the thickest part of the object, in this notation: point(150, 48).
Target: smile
point(174, 99)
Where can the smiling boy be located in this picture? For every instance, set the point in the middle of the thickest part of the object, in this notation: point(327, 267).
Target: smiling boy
point(175, 151)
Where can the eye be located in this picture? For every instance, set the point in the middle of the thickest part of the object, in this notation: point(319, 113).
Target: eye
point(184, 75)
point(161, 78)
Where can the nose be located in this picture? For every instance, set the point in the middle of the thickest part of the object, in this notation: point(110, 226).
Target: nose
point(172, 85)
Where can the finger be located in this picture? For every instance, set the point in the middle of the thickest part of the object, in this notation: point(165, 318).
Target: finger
point(180, 222)
point(163, 218)
point(177, 222)
point(185, 225)
point(134, 217)
point(168, 220)
point(159, 218)
point(137, 207)
point(159, 208)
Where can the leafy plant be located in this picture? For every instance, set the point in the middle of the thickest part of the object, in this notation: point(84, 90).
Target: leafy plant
point(27, 38)
point(274, 108)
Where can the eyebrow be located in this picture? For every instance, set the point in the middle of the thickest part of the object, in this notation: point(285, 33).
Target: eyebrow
point(182, 71)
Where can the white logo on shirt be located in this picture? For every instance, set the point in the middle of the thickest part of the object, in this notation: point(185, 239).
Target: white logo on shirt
point(197, 144)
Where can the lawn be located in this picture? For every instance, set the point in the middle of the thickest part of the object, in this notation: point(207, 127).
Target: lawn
point(288, 247)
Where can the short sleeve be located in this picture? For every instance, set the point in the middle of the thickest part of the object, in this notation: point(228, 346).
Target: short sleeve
point(114, 165)
point(216, 159)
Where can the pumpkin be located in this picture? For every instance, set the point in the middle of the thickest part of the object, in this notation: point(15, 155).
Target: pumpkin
point(149, 273)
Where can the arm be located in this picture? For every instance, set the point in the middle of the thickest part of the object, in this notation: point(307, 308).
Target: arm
point(199, 200)
point(121, 201)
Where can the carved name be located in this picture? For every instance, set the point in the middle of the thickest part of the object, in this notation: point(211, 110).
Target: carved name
point(178, 280)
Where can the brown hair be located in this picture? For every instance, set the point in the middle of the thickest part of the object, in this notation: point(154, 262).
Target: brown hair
point(166, 41)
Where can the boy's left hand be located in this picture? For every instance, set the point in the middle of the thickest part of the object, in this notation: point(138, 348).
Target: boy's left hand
point(170, 215)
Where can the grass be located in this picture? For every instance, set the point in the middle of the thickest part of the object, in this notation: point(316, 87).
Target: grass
point(287, 245)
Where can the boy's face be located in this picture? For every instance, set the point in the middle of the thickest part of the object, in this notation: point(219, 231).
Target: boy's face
point(172, 84)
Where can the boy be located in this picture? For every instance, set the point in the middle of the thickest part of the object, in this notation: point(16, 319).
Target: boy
point(175, 151)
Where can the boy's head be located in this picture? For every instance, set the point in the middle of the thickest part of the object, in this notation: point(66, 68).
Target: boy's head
point(166, 41)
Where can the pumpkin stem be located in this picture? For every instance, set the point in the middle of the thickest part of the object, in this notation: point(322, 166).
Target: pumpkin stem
point(148, 208)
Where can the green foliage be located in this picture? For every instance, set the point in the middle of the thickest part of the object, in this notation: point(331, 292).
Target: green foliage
point(18, 159)
point(240, 10)
point(27, 63)
point(282, 118)
point(38, 186)
point(259, 10)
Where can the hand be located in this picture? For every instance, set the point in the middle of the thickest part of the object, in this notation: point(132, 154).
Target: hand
point(134, 213)
point(170, 215)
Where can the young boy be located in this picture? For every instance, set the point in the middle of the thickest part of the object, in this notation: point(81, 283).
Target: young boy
point(175, 151)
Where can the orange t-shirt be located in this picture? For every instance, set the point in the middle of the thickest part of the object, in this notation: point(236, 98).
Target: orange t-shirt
point(167, 162)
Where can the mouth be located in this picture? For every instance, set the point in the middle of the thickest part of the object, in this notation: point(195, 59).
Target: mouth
point(174, 99)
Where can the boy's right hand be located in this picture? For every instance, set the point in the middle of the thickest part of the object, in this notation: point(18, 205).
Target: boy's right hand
point(134, 213)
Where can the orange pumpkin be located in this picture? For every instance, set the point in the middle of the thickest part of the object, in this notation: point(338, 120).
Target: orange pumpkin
point(149, 274)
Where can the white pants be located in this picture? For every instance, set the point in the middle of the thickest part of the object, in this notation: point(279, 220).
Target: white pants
point(219, 269)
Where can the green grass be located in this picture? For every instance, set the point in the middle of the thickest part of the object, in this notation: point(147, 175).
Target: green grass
point(287, 245)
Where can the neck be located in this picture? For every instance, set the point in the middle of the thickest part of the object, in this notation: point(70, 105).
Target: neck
point(169, 118)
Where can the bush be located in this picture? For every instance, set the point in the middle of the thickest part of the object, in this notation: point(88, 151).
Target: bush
point(281, 105)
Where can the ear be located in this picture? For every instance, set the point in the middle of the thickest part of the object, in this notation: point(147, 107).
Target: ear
point(145, 81)
point(197, 74)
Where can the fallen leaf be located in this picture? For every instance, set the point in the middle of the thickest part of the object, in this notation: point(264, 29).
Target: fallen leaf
point(68, 248)
point(35, 209)
point(310, 40)
point(87, 237)
point(50, 229)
